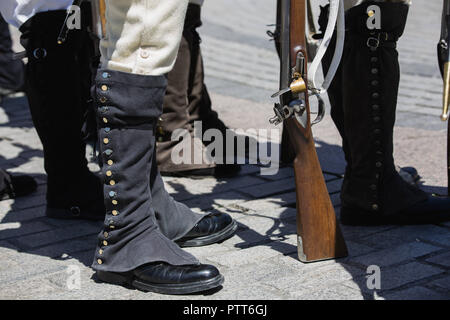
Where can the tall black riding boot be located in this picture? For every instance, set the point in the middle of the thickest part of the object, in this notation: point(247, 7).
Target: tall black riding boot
point(364, 97)
point(57, 85)
point(132, 249)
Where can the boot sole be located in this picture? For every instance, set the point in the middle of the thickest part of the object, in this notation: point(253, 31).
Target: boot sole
point(224, 234)
point(172, 289)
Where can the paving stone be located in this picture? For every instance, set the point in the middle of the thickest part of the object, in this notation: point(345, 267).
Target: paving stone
point(335, 199)
point(393, 236)
point(237, 213)
point(276, 201)
point(66, 248)
point(18, 229)
point(185, 188)
point(442, 239)
point(396, 254)
point(32, 289)
point(270, 188)
point(248, 292)
point(442, 259)
point(356, 249)
point(88, 289)
point(395, 277)
point(29, 202)
point(22, 215)
point(334, 185)
point(337, 292)
point(417, 293)
point(283, 214)
point(249, 169)
point(58, 235)
point(441, 283)
point(420, 232)
point(365, 235)
point(208, 201)
point(29, 266)
point(283, 173)
point(257, 272)
point(207, 251)
point(329, 274)
point(245, 256)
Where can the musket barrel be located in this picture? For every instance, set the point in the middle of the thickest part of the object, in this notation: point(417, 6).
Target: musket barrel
point(99, 17)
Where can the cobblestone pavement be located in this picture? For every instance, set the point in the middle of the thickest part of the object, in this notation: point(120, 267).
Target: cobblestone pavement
point(40, 256)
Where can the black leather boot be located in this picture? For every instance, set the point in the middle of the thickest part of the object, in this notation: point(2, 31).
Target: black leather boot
point(132, 249)
point(363, 96)
point(211, 229)
point(58, 89)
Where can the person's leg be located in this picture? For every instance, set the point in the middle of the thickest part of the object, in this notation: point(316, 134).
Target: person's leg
point(199, 102)
point(364, 97)
point(58, 100)
point(11, 71)
point(141, 45)
point(176, 116)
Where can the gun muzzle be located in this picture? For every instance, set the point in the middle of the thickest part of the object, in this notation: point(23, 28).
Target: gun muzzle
point(446, 98)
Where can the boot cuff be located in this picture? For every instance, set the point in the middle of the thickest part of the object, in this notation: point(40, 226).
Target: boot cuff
point(393, 18)
point(130, 79)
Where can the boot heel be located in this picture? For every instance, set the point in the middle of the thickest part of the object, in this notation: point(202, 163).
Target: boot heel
point(115, 278)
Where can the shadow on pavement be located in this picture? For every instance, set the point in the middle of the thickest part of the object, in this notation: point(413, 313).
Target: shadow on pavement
point(33, 233)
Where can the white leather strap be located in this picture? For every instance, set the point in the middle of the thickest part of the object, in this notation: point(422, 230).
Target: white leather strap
point(336, 17)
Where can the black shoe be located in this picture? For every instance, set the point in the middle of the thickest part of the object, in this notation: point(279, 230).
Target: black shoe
point(434, 209)
point(164, 278)
point(211, 229)
point(18, 186)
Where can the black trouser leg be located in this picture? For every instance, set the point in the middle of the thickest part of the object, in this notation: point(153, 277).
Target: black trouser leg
point(57, 87)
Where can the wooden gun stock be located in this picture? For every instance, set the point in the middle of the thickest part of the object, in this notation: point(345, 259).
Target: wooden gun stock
point(319, 235)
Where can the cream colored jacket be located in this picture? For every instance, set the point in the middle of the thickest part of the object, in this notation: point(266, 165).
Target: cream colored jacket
point(143, 36)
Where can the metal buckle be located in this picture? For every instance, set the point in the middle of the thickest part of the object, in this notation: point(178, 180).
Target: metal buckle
point(39, 53)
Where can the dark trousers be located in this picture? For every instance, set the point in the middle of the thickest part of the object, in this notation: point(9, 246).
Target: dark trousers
point(11, 71)
point(187, 99)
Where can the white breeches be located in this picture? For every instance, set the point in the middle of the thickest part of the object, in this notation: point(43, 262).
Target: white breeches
point(142, 36)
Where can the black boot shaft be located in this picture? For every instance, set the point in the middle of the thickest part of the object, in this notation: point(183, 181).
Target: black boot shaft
point(58, 80)
point(364, 98)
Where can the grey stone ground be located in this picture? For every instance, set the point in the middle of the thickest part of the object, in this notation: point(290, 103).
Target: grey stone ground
point(40, 255)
